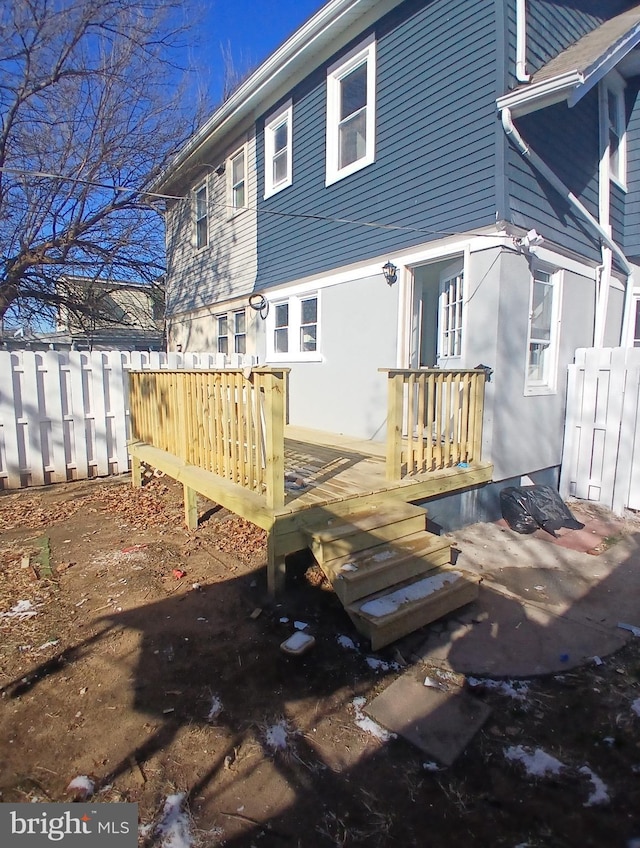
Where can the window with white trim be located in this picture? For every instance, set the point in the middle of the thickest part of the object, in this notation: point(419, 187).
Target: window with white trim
point(237, 181)
point(635, 318)
point(542, 341)
point(451, 314)
point(614, 123)
point(201, 216)
point(231, 330)
point(278, 151)
point(293, 328)
point(240, 331)
point(351, 112)
point(223, 334)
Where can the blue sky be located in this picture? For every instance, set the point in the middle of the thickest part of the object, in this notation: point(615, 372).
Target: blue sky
point(253, 28)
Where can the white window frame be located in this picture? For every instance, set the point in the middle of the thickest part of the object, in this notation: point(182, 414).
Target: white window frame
point(197, 218)
point(232, 208)
point(364, 53)
point(239, 332)
point(223, 316)
point(614, 86)
point(294, 327)
point(283, 116)
point(451, 318)
point(547, 385)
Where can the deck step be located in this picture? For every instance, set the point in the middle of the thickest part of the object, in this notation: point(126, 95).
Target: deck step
point(338, 537)
point(386, 616)
point(371, 570)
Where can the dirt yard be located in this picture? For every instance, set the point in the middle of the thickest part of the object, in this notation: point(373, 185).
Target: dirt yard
point(142, 662)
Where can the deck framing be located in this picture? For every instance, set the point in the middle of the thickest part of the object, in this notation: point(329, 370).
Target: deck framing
point(341, 477)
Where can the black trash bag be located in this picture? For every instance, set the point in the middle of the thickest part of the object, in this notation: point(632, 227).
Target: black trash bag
point(526, 508)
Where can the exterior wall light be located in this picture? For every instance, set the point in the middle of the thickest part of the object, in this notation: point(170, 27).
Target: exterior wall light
point(390, 272)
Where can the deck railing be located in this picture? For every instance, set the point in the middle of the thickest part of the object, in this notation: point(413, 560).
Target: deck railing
point(434, 419)
point(229, 422)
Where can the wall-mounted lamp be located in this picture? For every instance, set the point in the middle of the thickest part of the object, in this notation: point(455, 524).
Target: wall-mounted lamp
point(390, 272)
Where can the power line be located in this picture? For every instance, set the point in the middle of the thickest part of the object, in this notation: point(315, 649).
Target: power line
point(295, 215)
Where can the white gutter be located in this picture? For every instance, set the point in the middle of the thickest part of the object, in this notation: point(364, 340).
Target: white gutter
point(554, 180)
point(521, 41)
point(539, 94)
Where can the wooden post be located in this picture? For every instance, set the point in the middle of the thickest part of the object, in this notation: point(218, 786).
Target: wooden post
point(394, 425)
point(478, 405)
point(276, 568)
point(190, 507)
point(136, 472)
point(274, 419)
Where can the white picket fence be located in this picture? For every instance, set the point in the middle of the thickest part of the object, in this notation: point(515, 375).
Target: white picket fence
point(601, 458)
point(64, 414)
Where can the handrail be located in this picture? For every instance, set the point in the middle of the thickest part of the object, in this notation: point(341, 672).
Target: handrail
point(434, 419)
point(228, 421)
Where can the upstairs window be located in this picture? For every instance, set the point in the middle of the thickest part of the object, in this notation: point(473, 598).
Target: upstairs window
point(202, 217)
point(613, 122)
point(351, 112)
point(543, 332)
point(278, 151)
point(237, 181)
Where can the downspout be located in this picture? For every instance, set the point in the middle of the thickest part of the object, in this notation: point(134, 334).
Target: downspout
point(521, 41)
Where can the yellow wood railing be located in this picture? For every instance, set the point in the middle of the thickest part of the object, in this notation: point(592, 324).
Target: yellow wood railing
point(229, 422)
point(434, 419)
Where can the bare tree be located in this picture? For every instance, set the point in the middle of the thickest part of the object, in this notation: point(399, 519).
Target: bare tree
point(90, 111)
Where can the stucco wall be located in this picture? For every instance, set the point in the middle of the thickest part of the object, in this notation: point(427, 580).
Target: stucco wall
point(345, 393)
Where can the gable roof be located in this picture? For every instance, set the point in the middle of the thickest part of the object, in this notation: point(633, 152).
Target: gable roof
point(575, 71)
point(324, 33)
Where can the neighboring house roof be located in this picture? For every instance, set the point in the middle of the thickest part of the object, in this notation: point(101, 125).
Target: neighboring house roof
point(325, 32)
point(574, 72)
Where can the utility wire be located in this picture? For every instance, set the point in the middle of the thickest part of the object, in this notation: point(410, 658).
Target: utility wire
point(295, 215)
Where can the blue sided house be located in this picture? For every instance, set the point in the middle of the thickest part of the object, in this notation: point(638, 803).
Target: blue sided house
point(421, 187)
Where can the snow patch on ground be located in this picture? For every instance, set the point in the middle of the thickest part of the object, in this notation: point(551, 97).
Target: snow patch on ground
point(83, 784)
point(174, 828)
point(536, 763)
point(600, 793)
point(21, 610)
point(368, 724)
point(347, 643)
point(215, 709)
point(416, 591)
point(277, 736)
point(516, 689)
point(381, 665)
point(635, 707)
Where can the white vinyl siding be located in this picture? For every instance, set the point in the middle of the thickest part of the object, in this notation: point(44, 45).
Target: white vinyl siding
point(351, 116)
point(278, 151)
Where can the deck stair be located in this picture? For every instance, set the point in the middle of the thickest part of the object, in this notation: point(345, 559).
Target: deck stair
point(391, 574)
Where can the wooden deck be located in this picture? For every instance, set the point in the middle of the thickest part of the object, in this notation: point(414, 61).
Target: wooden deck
point(325, 474)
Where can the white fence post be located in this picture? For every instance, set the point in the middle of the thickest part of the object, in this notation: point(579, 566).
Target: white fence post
point(65, 415)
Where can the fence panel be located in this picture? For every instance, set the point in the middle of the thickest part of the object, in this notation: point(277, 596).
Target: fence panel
point(65, 415)
point(601, 457)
